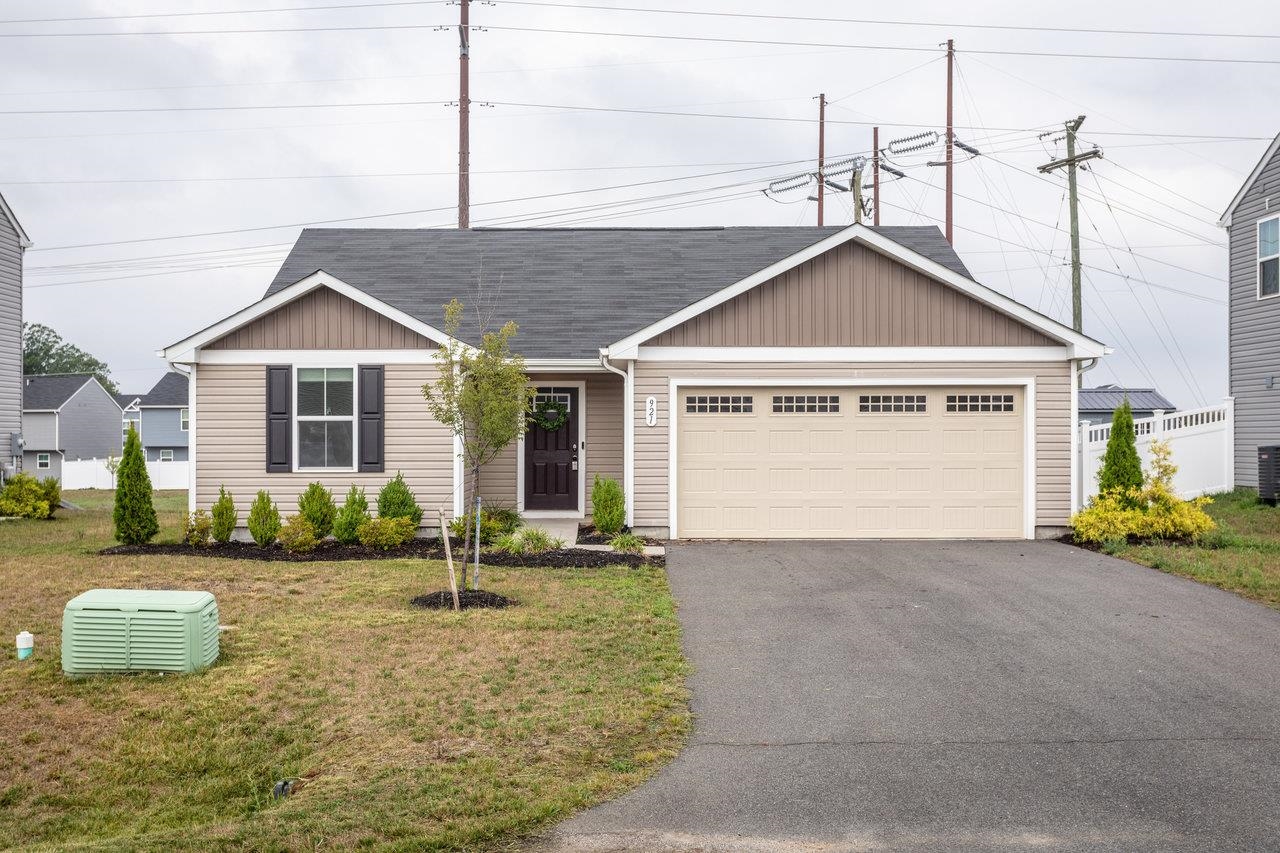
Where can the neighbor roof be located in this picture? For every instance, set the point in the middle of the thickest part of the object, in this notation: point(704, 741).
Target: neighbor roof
point(49, 392)
point(572, 291)
point(1108, 399)
point(171, 390)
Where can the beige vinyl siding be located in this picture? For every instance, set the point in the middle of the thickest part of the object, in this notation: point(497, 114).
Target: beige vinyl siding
point(604, 437)
point(1052, 418)
point(852, 296)
point(322, 319)
point(231, 442)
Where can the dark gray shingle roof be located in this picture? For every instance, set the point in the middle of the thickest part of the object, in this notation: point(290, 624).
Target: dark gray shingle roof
point(51, 391)
point(171, 390)
point(572, 291)
point(1108, 399)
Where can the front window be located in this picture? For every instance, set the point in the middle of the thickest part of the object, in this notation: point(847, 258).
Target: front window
point(326, 417)
point(1269, 257)
point(124, 429)
point(166, 455)
point(184, 419)
point(42, 461)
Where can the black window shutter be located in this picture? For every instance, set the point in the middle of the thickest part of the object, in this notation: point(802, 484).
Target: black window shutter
point(372, 396)
point(279, 415)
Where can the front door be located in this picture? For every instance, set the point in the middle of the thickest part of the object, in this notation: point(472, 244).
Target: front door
point(551, 455)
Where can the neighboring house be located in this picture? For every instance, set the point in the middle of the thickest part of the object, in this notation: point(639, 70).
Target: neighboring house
point(164, 420)
point(740, 382)
point(13, 243)
point(130, 414)
point(66, 417)
point(1253, 235)
point(1097, 405)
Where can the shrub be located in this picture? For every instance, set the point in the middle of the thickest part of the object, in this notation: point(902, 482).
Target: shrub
point(397, 501)
point(52, 493)
point(25, 497)
point(387, 533)
point(264, 520)
point(608, 505)
point(354, 512)
point(134, 514)
point(1151, 512)
point(199, 526)
point(627, 543)
point(495, 522)
point(316, 506)
point(530, 540)
point(224, 516)
point(1121, 468)
point(299, 535)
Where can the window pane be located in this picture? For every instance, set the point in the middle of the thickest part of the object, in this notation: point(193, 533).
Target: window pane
point(311, 391)
point(1269, 277)
point(338, 444)
point(311, 444)
point(339, 391)
point(1268, 238)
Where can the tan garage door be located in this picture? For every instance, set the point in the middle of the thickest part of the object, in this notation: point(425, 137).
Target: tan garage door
point(791, 462)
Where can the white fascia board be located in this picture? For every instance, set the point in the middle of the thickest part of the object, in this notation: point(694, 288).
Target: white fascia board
point(314, 357)
point(551, 365)
point(801, 355)
point(628, 348)
point(181, 352)
point(1224, 221)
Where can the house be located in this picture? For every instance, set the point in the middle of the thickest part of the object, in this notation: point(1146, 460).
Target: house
point(1252, 221)
point(13, 243)
point(739, 382)
point(1097, 405)
point(162, 419)
point(131, 415)
point(66, 417)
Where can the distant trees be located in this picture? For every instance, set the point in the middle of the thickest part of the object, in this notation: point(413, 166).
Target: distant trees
point(44, 351)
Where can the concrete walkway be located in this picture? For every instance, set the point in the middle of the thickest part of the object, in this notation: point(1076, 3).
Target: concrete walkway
point(958, 696)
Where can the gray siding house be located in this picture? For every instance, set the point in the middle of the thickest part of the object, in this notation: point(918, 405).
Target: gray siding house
point(1098, 405)
point(13, 242)
point(67, 417)
point(165, 419)
point(1253, 228)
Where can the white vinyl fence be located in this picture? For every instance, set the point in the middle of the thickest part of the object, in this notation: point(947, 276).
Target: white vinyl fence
point(1202, 441)
point(93, 474)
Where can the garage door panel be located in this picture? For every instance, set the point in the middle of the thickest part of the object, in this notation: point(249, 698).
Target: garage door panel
point(903, 462)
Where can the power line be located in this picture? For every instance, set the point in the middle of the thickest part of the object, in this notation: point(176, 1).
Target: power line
point(223, 108)
point(205, 13)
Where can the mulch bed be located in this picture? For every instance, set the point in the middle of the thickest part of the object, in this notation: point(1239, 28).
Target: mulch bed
point(468, 599)
point(1069, 539)
point(426, 549)
point(588, 535)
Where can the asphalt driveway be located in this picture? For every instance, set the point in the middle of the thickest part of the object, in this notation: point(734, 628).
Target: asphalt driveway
point(948, 696)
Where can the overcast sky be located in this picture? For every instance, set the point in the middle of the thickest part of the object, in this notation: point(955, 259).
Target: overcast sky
point(122, 178)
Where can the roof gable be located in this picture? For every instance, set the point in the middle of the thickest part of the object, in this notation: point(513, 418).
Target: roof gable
point(171, 390)
point(49, 392)
point(1272, 150)
point(23, 240)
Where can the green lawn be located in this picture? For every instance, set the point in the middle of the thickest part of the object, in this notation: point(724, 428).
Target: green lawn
point(1246, 553)
point(411, 730)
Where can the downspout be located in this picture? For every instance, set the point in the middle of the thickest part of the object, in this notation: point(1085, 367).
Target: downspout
point(628, 430)
point(1082, 366)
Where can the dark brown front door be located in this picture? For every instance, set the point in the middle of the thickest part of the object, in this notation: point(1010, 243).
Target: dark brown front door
point(551, 457)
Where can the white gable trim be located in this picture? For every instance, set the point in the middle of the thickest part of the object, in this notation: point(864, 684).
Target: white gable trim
point(184, 351)
point(1225, 220)
point(1083, 346)
point(23, 240)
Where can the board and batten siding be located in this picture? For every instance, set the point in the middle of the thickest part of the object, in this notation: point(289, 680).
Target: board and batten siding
point(1254, 329)
point(603, 435)
point(852, 296)
point(10, 332)
point(1052, 418)
point(231, 443)
point(322, 319)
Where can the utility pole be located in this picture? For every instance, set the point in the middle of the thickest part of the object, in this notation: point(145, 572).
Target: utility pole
point(1070, 162)
point(464, 115)
point(855, 183)
point(951, 59)
point(822, 142)
point(875, 176)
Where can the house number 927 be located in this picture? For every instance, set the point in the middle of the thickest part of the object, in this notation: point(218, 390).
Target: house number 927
point(651, 411)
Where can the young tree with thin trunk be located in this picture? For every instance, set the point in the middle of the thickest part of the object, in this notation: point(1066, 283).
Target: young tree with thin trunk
point(1121, 467)
point(483, 395)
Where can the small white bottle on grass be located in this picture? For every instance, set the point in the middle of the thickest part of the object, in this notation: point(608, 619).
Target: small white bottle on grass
point(26, 643)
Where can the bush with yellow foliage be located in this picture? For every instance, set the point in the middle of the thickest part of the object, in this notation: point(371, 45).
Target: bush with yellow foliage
point(1153, 511)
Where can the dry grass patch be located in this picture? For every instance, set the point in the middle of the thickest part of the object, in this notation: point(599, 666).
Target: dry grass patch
point(410, 729)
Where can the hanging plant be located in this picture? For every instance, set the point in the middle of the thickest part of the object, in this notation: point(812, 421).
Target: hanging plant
point(550, 414)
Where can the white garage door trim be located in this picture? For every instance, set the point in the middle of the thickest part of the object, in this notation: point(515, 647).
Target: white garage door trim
point(1027, 383)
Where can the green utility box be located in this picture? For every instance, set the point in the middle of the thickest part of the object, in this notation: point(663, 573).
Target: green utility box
point(123, 630)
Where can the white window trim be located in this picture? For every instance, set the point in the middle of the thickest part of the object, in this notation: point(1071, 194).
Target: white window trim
point(163, 452)
point(1028, 384)
point(184, 419)
point(1258, 258)
point(44, 461)
point(355, 432)
point(581, 511)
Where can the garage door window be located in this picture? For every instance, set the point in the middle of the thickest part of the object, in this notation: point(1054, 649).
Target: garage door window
point(890, 403)
point(806, 404)
point(718, 405)
point(979, 402)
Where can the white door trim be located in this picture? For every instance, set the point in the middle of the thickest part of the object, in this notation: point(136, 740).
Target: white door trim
point(1027, 383)
point(581, 512)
